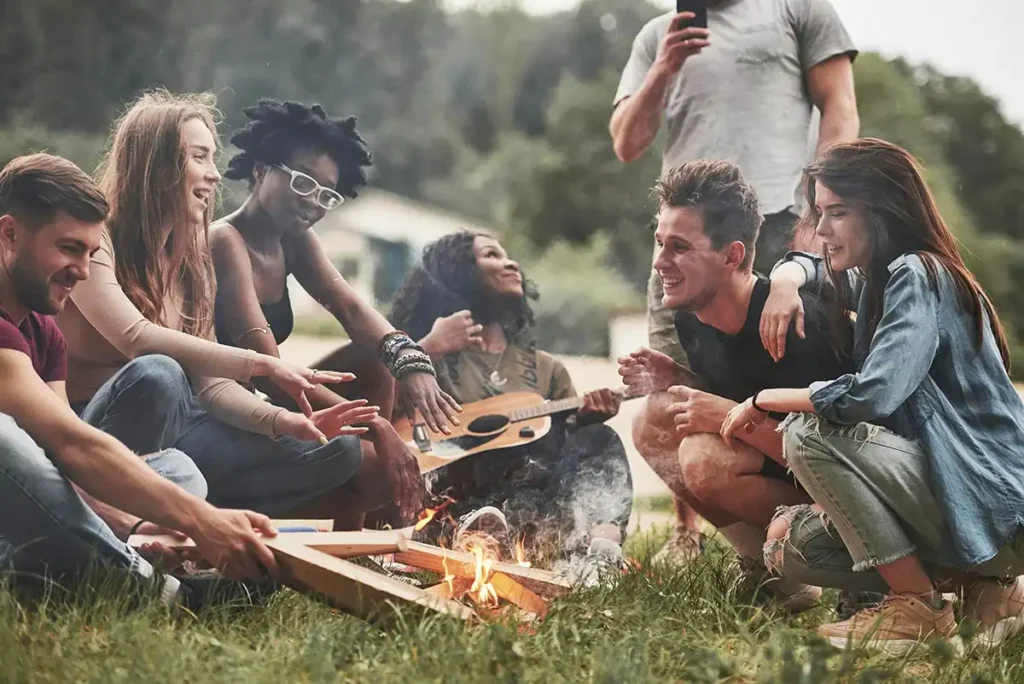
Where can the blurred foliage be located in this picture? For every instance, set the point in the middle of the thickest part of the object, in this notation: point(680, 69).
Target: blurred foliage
point(500, 115)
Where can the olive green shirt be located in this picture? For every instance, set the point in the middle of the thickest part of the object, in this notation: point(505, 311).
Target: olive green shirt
point(466, 375)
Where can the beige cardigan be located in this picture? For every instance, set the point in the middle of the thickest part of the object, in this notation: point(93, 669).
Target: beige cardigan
point(104, 331)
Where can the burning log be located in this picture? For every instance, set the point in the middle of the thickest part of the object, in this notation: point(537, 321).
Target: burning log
point(541, 582)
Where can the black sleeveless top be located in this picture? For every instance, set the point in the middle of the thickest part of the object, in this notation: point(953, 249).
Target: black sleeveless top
point(279, 317)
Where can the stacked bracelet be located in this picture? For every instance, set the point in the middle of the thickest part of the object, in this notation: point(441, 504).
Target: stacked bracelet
point(412, 362)
point(392, 344)
point(415, 360)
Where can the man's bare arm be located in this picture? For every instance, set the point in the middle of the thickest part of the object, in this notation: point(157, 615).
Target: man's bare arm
point(830, 85)
point(636, 118)
point(95, 461)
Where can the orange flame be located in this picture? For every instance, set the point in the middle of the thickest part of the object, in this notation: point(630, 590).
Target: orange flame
point(448, 576)
point(485, 592)
point(426, 515)
point(521, 554)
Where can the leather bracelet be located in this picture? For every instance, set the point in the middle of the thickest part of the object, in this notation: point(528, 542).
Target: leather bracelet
point(136, 526)
point(753, 402)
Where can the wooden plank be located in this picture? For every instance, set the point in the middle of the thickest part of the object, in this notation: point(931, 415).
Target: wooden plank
point(352, 588)
point(340, 544)
point(542, 582)
point(510, 590)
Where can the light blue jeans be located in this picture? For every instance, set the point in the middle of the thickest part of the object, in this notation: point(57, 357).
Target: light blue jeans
point(46, 528)
point(879, 507)
point(149, 405)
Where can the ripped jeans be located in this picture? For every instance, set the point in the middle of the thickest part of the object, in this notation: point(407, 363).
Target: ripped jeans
point(874, 488)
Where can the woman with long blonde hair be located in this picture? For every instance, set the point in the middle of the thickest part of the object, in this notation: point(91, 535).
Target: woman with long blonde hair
point(140, 338)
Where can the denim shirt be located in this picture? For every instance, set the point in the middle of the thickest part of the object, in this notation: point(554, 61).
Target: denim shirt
point(924, 376)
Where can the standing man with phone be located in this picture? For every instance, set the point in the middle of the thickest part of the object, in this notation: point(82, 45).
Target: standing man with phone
point(737, 80)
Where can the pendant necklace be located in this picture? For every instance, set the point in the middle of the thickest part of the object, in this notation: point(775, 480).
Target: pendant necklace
point(495, 377)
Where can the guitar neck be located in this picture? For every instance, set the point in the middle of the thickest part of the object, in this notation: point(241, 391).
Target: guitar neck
point(546, 409)
point(549, 408)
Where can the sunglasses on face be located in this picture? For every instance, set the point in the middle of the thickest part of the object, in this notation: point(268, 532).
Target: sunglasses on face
point(304, 186)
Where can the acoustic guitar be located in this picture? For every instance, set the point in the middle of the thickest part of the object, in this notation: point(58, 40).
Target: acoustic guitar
point(502, 422)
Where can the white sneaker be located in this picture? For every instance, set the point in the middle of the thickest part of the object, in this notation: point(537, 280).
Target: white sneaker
point(486, 527)
point(602, 564)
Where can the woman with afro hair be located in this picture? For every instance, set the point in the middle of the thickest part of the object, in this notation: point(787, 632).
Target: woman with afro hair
point(570, 494)
point(301, 163)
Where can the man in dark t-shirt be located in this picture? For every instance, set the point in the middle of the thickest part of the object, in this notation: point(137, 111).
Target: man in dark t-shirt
point(707, 227)
point(39, 338)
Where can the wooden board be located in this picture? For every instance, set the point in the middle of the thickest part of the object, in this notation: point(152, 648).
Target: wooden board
point(541, 582)
point(354, 589)
point(339, 544)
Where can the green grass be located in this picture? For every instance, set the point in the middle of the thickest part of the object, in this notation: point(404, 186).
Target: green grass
point(652, 626)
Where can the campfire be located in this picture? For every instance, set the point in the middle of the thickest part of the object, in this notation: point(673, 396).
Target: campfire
point(471, 585)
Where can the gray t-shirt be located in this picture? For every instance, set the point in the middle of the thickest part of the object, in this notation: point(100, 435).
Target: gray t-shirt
point(744, 98)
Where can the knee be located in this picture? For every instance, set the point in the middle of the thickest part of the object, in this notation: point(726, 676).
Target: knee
point(652, 429)
point(156, 375)
point(777, 535)
point(18, 451)
point(174, 466)
point(702, 461)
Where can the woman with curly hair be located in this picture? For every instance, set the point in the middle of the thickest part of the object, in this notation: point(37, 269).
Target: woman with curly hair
point(142, 363)
point(469, 305)
point(301, 163)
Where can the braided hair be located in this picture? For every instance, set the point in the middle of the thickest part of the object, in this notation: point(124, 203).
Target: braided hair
point(449, 280)
point(275, 130)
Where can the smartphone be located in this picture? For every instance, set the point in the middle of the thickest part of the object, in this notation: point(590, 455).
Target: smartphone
point(698, 7)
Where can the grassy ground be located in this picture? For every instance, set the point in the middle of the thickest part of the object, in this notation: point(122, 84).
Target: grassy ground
point(684, 626)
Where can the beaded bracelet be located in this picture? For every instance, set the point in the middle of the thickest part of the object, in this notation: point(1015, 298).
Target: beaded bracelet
point(414, 367)
point(394, 342)
point(409, 357)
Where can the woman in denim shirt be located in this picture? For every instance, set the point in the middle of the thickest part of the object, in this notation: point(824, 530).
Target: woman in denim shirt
point(916, 461)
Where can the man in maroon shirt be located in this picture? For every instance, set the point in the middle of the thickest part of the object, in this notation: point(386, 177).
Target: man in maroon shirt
point(70, 493)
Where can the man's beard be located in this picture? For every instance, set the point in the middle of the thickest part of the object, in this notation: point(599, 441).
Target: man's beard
point(32, 291)
point(699, 301)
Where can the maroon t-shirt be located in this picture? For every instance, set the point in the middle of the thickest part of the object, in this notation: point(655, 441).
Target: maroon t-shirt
point(39, 337)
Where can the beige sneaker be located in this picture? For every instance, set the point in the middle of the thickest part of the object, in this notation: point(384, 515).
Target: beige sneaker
point(897, 625)
point(996, 609)
point(784, 593)
point(683, 547)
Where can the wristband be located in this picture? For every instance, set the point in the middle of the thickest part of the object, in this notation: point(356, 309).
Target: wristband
point(135, 527)
point(753, 402)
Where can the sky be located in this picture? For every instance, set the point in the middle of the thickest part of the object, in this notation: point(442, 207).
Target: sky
point(977, 38)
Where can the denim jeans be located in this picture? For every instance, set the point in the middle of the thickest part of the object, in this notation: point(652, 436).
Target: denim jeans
point(879, 507)
point(46, 528)
point(149, 405)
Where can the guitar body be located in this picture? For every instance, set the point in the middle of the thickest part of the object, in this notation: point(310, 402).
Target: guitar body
point(485, 426)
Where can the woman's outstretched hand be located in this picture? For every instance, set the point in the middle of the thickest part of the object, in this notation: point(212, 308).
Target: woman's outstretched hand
point(420, 392)
point(296, 380)
point(345, 418)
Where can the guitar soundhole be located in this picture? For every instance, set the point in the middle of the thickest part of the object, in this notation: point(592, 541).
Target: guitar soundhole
point(485, 425)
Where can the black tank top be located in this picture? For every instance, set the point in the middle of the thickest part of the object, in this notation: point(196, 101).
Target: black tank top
point(279, 317)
